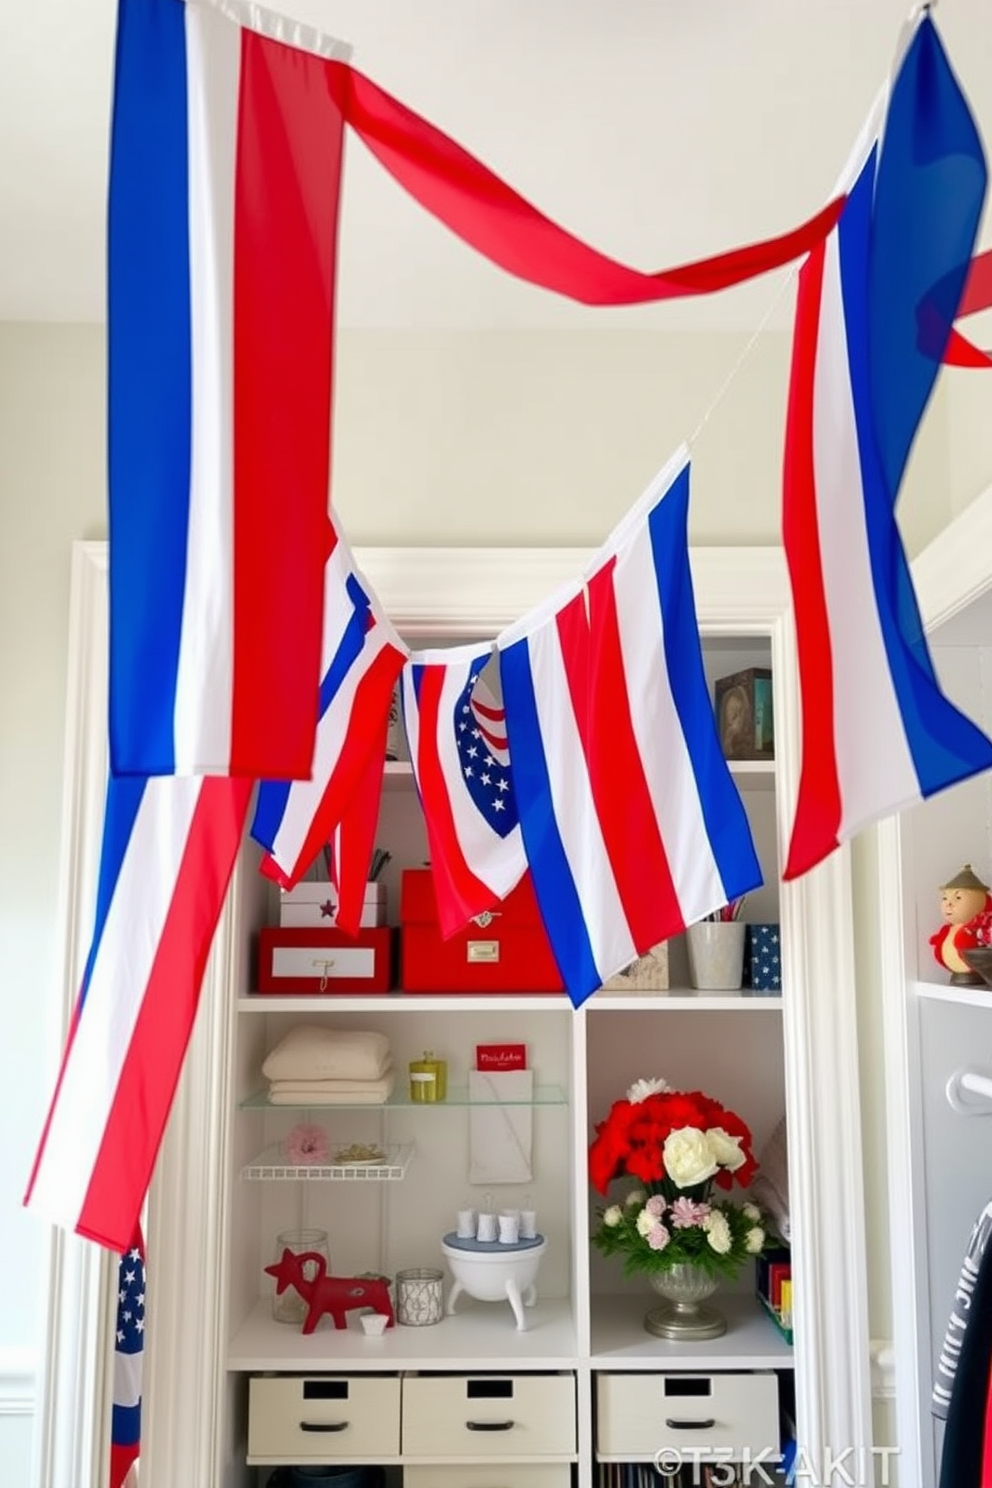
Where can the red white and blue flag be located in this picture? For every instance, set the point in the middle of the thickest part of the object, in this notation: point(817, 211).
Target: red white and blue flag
point(878, 732)
point(169, 847)
point(129, 1349)
point(456, 731)
point(223, 202)
point(632, 824)
point(362, 656)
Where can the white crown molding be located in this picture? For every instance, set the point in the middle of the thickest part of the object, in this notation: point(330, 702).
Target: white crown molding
point(952, 571)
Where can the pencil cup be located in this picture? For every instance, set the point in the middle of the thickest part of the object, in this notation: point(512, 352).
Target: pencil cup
point(716, 955)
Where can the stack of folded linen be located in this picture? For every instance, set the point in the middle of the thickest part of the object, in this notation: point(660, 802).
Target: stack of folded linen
point(315, 1066)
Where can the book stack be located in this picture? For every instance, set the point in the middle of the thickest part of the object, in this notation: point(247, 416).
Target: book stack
point(773, 1283)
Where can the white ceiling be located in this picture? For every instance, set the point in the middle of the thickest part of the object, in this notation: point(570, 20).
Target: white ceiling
point(659, 130)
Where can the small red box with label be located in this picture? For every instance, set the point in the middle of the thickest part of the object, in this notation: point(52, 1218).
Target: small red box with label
point(299, 959)
point(506, 950)
point(496, 1057)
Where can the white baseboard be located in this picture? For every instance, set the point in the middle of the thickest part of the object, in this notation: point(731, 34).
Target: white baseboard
point(17, 1382)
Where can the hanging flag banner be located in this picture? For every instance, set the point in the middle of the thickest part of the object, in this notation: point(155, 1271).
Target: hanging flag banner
point(456, 730)
point(223, 207)
point(129, 1350)
point(361, 658)
point(168, 852)
point(877, 732)
point(631, 821)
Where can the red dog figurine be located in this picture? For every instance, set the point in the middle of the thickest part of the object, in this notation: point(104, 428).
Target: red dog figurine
point(333, 1294)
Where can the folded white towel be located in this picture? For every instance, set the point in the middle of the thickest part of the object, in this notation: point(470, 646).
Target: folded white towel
point(314, 1052)
point(330, 1092)
point(343, 1087)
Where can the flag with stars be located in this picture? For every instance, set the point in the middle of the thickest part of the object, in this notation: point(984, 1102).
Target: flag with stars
point(461, 762)
point(125, 1432)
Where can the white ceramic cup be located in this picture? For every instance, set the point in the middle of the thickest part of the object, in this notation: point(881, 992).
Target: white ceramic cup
point(465, 1228)
point(487, 1228)
point(509, 1228)
point(528, 1224)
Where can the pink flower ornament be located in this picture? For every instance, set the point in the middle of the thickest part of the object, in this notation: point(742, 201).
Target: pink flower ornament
point(306, 1143)
point(685, 1213)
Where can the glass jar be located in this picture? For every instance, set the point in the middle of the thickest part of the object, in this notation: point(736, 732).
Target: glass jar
point(419, 1296)
point(428, 1078)
point(290, 1307)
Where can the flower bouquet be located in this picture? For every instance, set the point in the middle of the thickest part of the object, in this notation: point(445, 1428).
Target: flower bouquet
point(679, 1147)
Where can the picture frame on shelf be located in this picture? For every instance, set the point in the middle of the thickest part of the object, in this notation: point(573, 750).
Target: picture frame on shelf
point(744, 713)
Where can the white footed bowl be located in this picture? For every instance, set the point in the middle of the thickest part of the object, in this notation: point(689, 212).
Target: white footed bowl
point(502, 1273)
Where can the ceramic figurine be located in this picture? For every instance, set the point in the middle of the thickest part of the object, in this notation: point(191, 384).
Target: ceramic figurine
point(336, 1295)
point(966, 906)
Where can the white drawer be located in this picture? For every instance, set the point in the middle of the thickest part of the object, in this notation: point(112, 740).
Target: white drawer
point(639, 1414)
point(489, 1416)
point(490, 1475)
point(323, 1418)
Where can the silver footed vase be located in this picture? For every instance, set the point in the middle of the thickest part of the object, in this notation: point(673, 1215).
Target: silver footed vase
point(684, 1314)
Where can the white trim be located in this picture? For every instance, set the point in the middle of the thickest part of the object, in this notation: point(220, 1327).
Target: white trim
point(72, 1422)
point(953, 570)
point(448, 592)
point(17, 1384)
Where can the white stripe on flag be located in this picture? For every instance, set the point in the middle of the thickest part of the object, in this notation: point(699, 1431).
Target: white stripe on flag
point(862, 681)
point(658, 730)
point(130, 940)
point(574, 806)
point(127, 1378)
point(206, 657)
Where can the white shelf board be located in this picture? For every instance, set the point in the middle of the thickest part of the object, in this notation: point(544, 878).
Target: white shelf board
point(272, 1165)
point(478, 1336)
point(753, 775)
point(686, 999)
point(620, 1340)
point(408, 1002)
point(458, 1095)
point(980, 997)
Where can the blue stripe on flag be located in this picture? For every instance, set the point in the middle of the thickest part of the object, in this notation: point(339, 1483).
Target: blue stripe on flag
point(944, 745)
point(927, 209)
point(723, 812)
point(149, 375)
point(124, 797)
point(561, 908)
point(125, 1428)
point(350, 646)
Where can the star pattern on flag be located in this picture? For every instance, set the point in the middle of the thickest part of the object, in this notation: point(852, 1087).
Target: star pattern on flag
point(484, 764)
point(131, 1303)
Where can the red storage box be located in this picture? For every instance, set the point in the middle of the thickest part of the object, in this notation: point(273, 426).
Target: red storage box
point(299, 959)
point(505, 951)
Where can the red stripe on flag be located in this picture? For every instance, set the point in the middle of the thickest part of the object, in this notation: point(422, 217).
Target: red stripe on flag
point(593, 658)
point(354, 835)
point(460, 895)
point(370, 706)
point(143, 1098)
point(818, 808)
point(286, 211)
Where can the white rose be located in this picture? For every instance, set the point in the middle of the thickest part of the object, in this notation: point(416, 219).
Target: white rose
point(726, 1149)
point(613, 1216)
point(751, 1211)
point(718, 1232)
point(646, 1221)
point(688, 1157)
point(754, 1239)
point(641, 1089)
point(636, 1196)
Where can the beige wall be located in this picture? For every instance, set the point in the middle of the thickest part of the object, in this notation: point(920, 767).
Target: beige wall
point(450, 438)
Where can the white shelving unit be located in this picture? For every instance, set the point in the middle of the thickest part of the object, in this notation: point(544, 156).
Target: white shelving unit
point(940, 1175)
point(211, 1229)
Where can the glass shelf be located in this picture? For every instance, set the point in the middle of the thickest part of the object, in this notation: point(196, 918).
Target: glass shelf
point(543, 1095)
point(271, 1164)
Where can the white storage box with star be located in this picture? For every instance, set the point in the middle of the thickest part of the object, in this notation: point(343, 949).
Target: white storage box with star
point(316, 904)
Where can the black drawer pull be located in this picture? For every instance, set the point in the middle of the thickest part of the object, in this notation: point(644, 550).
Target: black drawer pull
point(674, 1425)
point(489, 1425)
point(324, 1425)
